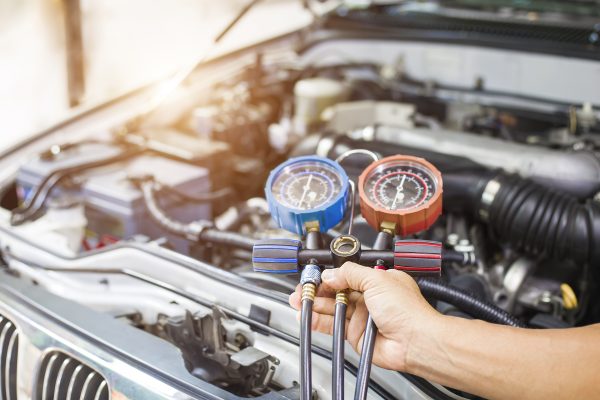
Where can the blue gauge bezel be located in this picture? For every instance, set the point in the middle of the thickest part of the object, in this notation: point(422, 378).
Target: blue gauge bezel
point(328, 215)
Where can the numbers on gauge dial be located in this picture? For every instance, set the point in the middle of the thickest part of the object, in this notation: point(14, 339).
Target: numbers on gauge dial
point(306, 185)
point(400, 187)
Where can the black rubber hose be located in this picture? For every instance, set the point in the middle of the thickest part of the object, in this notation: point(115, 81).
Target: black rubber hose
point(540, 221)
point(454, 256)
point(198, 230)
point(35, 205)
point(366, 360)
point(225, 238)
point(208, 197)
point(305, 350)
point(339, 335)
point(464, 301)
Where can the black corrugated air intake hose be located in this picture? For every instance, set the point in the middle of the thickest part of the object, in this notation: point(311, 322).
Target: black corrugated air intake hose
point(528, 216)
point(540, 221)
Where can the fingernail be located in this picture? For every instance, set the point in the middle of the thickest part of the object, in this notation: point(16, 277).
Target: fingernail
point(327, 275)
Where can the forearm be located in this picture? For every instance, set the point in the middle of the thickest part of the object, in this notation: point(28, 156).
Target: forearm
point(503, 362)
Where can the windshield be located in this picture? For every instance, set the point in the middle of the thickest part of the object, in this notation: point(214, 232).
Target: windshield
point(567, 8)
point(521, 9)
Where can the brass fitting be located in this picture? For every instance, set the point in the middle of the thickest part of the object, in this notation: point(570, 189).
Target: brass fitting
point(312, 226)
point(388, 227)
point(309, 291)
point(342, 296)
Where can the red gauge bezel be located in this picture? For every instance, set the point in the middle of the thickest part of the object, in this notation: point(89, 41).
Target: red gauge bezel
point(408, 221)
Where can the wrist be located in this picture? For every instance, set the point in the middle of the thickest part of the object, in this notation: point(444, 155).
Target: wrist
point(427, 339)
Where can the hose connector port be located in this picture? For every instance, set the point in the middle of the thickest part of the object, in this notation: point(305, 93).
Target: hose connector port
point(344, 248)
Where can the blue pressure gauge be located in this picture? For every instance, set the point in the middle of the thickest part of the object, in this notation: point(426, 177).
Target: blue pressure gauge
point(306, 190)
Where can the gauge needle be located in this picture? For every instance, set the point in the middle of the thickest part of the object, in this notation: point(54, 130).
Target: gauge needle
point(399, 193)
point(306, 189)
point(401, 187)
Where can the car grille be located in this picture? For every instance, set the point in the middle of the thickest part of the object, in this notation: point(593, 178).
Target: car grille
point(9, 350)
point(63, 377)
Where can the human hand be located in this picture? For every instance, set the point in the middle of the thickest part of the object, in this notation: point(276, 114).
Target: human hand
point(394, 301)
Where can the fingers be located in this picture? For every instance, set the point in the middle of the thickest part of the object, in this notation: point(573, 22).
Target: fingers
point(322, 291)
point(354, 327)
point(325, 323)
point(352, 276)
point(325, 305)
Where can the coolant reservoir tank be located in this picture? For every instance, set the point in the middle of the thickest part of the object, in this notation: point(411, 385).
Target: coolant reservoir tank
point(312, 97)
point(61, 228)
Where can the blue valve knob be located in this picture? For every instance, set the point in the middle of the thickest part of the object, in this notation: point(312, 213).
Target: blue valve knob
point(276, 256)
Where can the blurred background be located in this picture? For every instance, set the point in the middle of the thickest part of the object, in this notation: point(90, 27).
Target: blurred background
point(123, 45)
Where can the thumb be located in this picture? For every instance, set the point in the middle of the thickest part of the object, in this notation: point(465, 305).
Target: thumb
point(353, 276)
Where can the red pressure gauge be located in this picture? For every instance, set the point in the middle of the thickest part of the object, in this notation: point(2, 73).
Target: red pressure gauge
point(400, 193)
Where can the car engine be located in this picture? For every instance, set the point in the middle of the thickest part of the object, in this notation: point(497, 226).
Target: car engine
point(128, 244)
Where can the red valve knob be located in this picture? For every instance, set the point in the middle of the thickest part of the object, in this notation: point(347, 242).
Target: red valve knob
point(418, 257)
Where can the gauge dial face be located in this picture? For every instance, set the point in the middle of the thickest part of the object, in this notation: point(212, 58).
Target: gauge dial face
point(306, 185)
point(400, 185)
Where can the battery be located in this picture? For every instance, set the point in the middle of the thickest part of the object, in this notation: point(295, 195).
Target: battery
point(114, 207)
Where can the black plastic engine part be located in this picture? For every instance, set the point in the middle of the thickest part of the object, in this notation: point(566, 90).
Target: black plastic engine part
point(340, 144)
point(476, 308)
point(546, 321)
point(201, 340)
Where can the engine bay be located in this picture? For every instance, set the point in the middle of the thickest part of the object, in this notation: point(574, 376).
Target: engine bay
point(108, 220)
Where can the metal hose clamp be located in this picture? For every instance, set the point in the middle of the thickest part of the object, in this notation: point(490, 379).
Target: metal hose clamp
point(487, 198)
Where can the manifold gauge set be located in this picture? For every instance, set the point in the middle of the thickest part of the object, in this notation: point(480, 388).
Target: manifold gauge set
point(308, 196)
